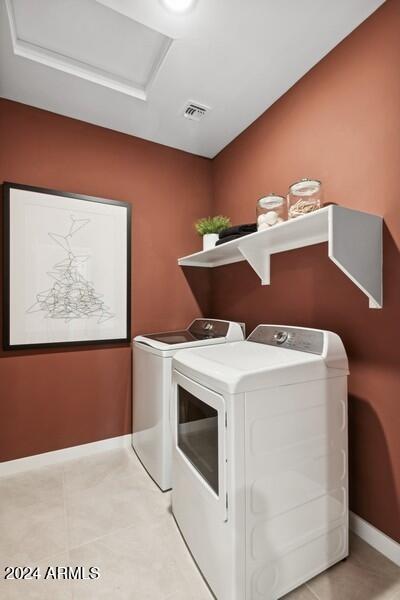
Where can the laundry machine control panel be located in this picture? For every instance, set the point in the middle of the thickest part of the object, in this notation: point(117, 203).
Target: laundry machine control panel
point(210, 328)
point(304, 340)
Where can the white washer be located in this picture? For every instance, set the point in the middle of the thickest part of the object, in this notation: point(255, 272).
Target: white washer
point(152, 369)
point(260, 459)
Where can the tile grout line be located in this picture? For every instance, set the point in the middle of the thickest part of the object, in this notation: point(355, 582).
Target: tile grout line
point(34, 503)
point(70, 547)
point(312, 592)
point(66, 522)
point(101, 537)
point(396, 593)
point(67, 516)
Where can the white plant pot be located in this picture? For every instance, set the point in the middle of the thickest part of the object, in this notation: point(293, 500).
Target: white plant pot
point(209, 240)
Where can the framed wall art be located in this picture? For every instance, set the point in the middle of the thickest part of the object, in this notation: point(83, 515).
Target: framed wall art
point(67, 269)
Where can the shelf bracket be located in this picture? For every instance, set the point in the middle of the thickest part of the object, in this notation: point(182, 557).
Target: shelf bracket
point(355, 246)
point(259, 260)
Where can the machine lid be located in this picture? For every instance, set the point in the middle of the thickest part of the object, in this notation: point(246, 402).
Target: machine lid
point(200, 329)
point(176, 337)
point(244, 358)
point(200, 332)
point(264, 360)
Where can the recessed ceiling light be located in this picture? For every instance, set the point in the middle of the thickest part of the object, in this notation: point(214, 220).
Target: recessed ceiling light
point(179, 6)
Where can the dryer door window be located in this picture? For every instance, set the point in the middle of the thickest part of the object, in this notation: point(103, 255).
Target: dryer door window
point(198, 435)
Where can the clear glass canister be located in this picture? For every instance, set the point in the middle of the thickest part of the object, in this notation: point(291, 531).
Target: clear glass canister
point(304, 197)
point(271, 210)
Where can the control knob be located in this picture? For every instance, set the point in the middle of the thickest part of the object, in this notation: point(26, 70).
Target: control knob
point(280, 337)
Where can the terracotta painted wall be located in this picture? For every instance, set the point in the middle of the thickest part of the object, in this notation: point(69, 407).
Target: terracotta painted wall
point(51, 400)
point(340, 123)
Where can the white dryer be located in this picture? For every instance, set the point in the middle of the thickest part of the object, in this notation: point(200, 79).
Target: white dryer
point(152, 373)
point(260, 459)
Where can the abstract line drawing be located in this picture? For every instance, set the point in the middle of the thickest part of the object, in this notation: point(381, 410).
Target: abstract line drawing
point(71, 296)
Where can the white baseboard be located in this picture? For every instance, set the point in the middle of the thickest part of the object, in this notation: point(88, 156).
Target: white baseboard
point(19, 465)
point(375, 538)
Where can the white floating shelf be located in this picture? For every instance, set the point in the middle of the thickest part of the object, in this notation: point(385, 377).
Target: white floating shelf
point(354, 245)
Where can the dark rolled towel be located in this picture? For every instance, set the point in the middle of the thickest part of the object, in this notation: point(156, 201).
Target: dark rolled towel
point(239, 230)
point(229, 238)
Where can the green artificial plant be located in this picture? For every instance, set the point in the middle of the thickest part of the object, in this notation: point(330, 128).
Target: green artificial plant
point(212, 224)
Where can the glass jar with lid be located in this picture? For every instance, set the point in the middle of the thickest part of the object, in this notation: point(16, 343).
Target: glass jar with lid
point(304, 197)
point(271, 210)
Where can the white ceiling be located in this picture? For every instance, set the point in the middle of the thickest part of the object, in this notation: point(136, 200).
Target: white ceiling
point(132, 66)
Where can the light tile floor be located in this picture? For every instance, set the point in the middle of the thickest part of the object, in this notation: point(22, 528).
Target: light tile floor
point(105, 511)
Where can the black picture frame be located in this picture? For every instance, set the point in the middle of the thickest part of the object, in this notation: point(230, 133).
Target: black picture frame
point(7, 344)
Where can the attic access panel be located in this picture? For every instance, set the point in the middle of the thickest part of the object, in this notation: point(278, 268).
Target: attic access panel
point(89, 40)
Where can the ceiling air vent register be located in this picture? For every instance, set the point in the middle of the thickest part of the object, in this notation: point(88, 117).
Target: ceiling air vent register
point(195, 112)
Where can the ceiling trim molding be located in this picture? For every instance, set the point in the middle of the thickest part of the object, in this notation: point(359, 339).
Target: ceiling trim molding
point(81, 69)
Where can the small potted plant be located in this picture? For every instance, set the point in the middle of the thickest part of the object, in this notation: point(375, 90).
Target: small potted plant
point(209, 228)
